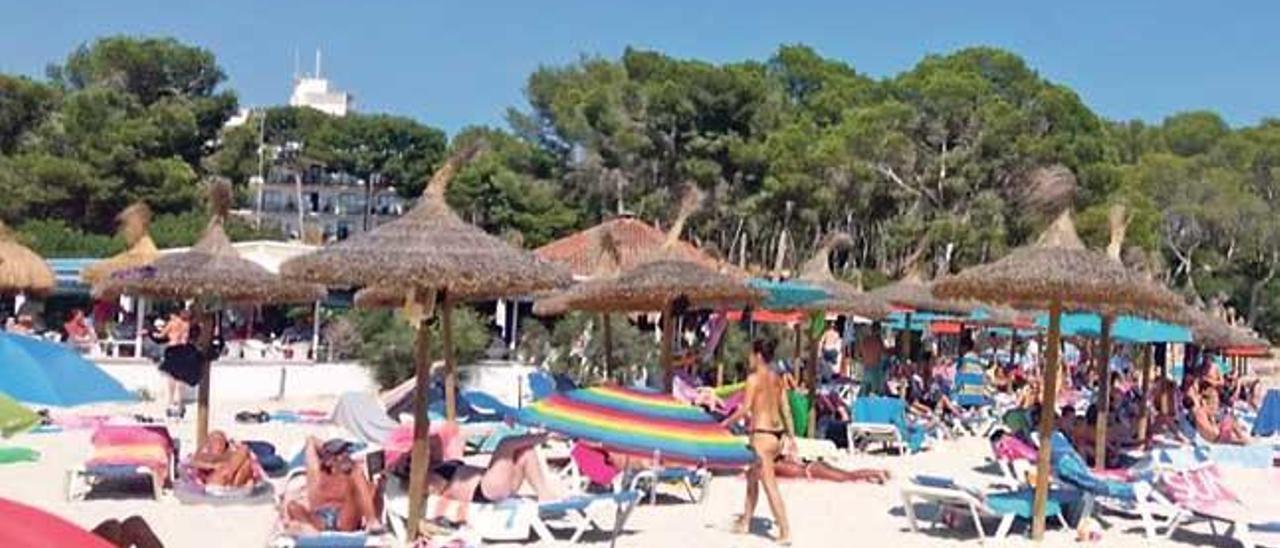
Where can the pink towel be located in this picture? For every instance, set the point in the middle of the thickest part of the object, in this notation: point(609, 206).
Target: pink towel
point(445, 437)
point(1012, 448)
point(594, 464)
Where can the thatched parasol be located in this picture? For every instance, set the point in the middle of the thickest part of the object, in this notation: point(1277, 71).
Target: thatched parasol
point(1054, 273)
point(630, 242)
point(660, 282)
point(21, 269)
point(134, 223)
point(212, 273)
point(913, 292)
point(429, 254)
point(845, 297)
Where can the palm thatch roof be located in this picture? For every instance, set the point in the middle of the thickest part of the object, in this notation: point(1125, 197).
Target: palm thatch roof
point(634, 241)
point(21, 269)
point(1210, 331)
point(913, 292)
point(430, 246)
point(845, 297)
point(662, 279)
point(212, 270)
point(134, 223)
point(1059, 268)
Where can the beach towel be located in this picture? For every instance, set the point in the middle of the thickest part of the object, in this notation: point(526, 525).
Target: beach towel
point(301, 416)
point(889, 410)
point(1071, 468)
point(363, 416)
point(1011, 447)
point(447, 435)
point(190, 491)
point(594, 464)
point(799, 412)
point(1268, 421)
point(11, 455)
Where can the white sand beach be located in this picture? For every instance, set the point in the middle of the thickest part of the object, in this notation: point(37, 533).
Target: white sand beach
point(823, 514)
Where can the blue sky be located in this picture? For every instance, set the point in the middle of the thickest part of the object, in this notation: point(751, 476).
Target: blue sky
point(452, 64)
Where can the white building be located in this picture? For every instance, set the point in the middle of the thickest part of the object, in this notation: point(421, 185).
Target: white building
point(316, 92)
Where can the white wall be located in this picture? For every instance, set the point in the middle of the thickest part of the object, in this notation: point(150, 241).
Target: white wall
point(236, 382)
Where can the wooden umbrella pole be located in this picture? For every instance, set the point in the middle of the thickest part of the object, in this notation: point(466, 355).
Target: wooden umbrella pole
point(205, 344)
point(450, 362)
point(1104, 402)
point(1013, 345)
point(607, 325)
point(1144, 414)
point(668, 335)
point(1047, 412)
point(813, 385)
point(796, 347)
point(421, 423)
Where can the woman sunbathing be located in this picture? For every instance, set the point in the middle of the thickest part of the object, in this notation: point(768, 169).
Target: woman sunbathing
point(790, 467)
point(223, 463)
point(1212, 423)
point(513, 464)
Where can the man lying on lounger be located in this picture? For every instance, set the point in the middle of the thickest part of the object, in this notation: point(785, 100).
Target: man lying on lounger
point(222, 462)
point(339, 495)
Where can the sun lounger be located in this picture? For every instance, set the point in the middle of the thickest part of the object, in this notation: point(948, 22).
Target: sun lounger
point(951, 496)
point(1201, 492)
point(589, 467)
point(1137, 498)
point(189, 489)
point(124, 454)
point(518, 518)
point(884, 420)
point(294, 488)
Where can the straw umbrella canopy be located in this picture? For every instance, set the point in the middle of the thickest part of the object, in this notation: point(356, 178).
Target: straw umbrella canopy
point(134, 223)
point(1057, 272)
point(429, 254)
point(845, 297)
point(665, 281)
point(212, 273)
point(618, 244)
point(21, 269)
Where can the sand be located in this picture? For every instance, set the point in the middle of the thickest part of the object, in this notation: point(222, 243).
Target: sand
point(822, 514)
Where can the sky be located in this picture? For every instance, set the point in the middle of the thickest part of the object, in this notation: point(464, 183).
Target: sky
point(453, 64)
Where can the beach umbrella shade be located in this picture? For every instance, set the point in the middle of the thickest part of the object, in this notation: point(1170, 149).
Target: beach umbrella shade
point(1057, 272)
point(429, 254)
point(134, 222)
point(616, 245)
point(40, 372)
point(21, 269)
point(788, 294)
point(660, 283)
point(640, 423)
point(15, 418)
point(23, 526)
point(844, 297)
point(213, 274)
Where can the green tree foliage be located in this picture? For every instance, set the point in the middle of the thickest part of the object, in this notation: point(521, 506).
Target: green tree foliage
point(387, 342)
point(400, 151)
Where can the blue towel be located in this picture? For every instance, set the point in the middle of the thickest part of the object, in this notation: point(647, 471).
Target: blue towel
point(1071, 468)
point(1268, 421)
point(330, 540)
point(887, 410)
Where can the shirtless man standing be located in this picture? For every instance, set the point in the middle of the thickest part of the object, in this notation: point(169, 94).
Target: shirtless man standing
point(871, 352)
point(771, 433)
